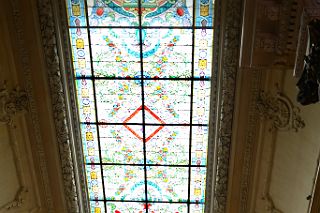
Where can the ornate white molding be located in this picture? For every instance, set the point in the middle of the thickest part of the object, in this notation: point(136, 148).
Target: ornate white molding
point(51, 42)
point(226, 63)
point(11, 103)
point(280, 110)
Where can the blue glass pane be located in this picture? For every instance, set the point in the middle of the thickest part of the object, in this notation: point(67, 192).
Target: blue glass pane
point(204, 13)
point(76, 12)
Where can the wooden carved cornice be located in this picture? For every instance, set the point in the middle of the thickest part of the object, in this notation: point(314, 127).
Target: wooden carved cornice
point(276, 32)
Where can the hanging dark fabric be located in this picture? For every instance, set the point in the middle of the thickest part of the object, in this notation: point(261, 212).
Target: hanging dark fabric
point(308, 83)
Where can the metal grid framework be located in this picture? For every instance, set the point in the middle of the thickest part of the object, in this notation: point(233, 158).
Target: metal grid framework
point(144, 124)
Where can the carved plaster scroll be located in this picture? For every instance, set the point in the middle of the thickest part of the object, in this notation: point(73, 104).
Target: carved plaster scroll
point(280, 110)
point(11, 103)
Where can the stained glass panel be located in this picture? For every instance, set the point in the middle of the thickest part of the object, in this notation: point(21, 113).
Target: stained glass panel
point(197, 208)
point(201, 102)
point(124, 182)
point(153, 13)
point(199, 145)
point(121, 144)
point(86, 104)
point(97, 207)
point(169, 100)
point(80, 52)
point(167, 183)
point(168, 13)
point(204, 13)
point(115, 52)
point(164, 147)
point(90, 143)
point(142, 74)
point(203, 53)
point(94, 182)
point(168, 208)
point(119, 101)
point(76, 13)
point(132, 207)
point(167, 53)
point(198, 183)
point(113, 13)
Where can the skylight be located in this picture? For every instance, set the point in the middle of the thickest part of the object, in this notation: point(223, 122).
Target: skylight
point(142, 72)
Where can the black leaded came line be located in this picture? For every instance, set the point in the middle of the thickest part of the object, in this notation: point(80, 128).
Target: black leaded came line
point(143, 201)
point(151, 165)
point(143, 107)
point(144, 27)
point(95, 105)
point(139, 124)
point(191, 105)
point(145, 79)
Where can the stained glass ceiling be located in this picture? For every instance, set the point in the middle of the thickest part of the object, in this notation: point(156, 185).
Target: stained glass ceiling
point(142, 73)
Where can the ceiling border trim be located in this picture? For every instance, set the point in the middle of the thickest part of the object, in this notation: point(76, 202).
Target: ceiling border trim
point(32, 110)
point(50, 41)
point(228, 22)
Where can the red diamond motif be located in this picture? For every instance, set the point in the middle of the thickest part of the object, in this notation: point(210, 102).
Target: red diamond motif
point(147, 110)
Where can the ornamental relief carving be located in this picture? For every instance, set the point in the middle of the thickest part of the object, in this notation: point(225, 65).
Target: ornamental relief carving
point(17, 202)
point(230, 44)
point(12, 102)
point(48, 14)
point(276, 32)
point(279, 109)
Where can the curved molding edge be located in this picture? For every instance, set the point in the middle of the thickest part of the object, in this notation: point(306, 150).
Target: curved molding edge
point(279, 109)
